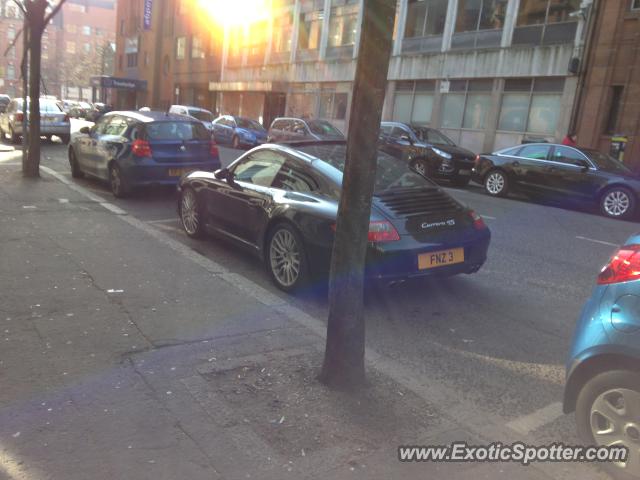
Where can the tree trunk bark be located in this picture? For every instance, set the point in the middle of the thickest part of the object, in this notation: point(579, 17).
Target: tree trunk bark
point(344, 354)
point(24, 67)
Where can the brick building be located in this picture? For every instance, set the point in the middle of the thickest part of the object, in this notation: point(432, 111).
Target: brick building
point(609, 101)
point(74, 46)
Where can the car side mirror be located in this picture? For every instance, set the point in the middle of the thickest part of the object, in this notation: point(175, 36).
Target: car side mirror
point(224, 174)
point(85, 130)
point(406, 138)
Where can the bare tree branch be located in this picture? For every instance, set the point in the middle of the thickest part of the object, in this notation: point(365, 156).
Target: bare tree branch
point(53, 12)
point(13, 42)
point(20, 6)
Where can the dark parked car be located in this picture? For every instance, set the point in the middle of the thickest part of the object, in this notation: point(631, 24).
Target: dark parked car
point(296, 129)
point(603, 369)
point(80, 110)
point(561, 172)
point(132, 149)
point(427, 151)
point(97, 111)
point(280, 202)
point(238, 131)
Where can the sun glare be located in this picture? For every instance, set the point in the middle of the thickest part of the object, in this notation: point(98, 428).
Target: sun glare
point(233, 13)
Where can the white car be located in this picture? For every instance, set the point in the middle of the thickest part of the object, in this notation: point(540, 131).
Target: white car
point(205, 116)
point(53, 121)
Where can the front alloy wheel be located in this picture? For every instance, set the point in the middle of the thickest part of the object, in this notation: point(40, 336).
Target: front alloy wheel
point(190, 214)
point(117, 182)
point(618, 203)
point(496, 184)
point(286, 258)
point(608, 414)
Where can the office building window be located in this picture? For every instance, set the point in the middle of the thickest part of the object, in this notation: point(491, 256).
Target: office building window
point(635, 5)
point(309, 31)
point(197, 47)
point(333, 105)
point(181, 48)
point(413, 102)
point(301, 105)
point(467, 104)
point(11, 72)
point(132, 60)
point(86, 30)
point(11, 32)
point(71, 47)
point(282, 30)
point(480, 15)
point(545, 22)
point(531, 105)
point(425, 17)
point(614, 109)
point(87, 48)
point(342, 30)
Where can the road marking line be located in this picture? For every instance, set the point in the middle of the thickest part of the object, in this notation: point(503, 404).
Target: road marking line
point(528, 423)
point(601, 242)
point(164, 220)
point(487, 217)
point(167, 227)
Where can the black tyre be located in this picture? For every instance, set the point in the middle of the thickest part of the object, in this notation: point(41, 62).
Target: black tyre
point(286, 258)
point(607, 413)
point(235, 142)
point(117, 182)
point(460, 181)
point(618, 202)
point(191, 216)
point(65, 138)
point(15, 138)
point(75, 166)
point(496, 183)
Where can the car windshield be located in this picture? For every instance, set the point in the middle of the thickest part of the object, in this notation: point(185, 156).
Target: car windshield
point(202, 115)
point(605, 162)
point(390, 174)
point(46, 106)
point(429, 135)
point(248, 124)
point(176, 131)
point(321, 127)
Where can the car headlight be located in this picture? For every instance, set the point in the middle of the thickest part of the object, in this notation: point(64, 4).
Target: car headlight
point(442, 153)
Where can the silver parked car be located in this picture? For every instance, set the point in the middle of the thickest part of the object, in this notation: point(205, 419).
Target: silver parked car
point(292, 129)
point(205, 116)
point(53, 121)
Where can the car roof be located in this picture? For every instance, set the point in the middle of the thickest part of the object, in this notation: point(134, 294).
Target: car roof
point(190, 107)
point(152, 116)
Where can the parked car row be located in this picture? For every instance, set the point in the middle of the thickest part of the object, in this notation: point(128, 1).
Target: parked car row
point(53, 121)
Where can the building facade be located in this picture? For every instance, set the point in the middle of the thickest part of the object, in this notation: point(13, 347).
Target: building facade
point(608, 103)
point(489, 73)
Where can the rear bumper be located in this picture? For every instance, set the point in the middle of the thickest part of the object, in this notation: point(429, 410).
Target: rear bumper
point(146, 172)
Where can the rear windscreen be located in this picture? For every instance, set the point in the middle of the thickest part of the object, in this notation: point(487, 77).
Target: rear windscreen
point(202, 115)
point(177, 131)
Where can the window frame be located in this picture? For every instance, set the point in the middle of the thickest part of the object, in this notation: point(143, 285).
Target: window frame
point(466, 93)
point(251, 156)
point(181, 53)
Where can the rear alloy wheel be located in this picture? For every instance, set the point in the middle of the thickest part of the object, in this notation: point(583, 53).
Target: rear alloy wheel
point(75, 166)
point(190, 214)
point(286, 260)
point(235, 142)
point(496, 183)
point(117, 182)
point(618, 203)
point(608, 414)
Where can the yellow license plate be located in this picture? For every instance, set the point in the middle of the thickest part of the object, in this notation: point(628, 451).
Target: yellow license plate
point(178, 172)
point(440, 258)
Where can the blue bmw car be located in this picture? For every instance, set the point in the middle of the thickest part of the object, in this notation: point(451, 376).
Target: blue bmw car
point(134, 149)
point(603, 370)
point(238, 131)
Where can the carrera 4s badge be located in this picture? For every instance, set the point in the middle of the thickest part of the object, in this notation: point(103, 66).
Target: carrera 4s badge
point(448, 223)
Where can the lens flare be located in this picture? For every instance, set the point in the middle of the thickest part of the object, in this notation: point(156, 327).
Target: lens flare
point(236, 13)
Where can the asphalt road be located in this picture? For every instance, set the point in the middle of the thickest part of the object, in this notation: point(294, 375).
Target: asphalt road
point(498, 339)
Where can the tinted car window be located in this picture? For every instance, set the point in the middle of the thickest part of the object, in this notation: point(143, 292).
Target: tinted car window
point(320, 127)
point(259, 168)
point(398, 132)
point(568, 155)
point(201, 115)
point(605, 162)
point(537, 152)
point(117, 126)
point(291, 177)
point(298, 127)
point(510, 151)
point(176, 131)
point(101, 125)
point(280, 124)
point(430, 135)
point(390, 174)
point(386, 129)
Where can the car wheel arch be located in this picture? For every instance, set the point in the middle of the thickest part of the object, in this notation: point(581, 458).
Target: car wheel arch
point(592, 367)
point(607, 188)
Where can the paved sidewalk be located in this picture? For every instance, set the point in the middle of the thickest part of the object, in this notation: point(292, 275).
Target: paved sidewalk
point(121, 359)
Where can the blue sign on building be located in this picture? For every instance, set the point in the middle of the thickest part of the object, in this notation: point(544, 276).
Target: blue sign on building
point(148, 7)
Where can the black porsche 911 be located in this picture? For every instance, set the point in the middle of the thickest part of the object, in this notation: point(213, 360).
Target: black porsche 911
point(281, 203)
point(560, 172)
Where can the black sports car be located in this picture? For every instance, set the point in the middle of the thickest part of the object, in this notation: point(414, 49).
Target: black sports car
point(281, 203)
point(561, 172)
point(428, 151)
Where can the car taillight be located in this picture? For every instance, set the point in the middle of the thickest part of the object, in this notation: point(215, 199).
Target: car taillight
point(623, 266)
point(141, 148)
point(213, 149)
point(382, 231)
point(19, 117)
point(478, 222)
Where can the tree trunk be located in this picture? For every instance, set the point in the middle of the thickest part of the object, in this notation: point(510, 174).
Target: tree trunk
point(24, 68)
point(36, 10)
point(344, 354)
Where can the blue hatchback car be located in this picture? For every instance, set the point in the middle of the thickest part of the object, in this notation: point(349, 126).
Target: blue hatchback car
point(238, 131)
point(603, 370)
point(134, 149)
